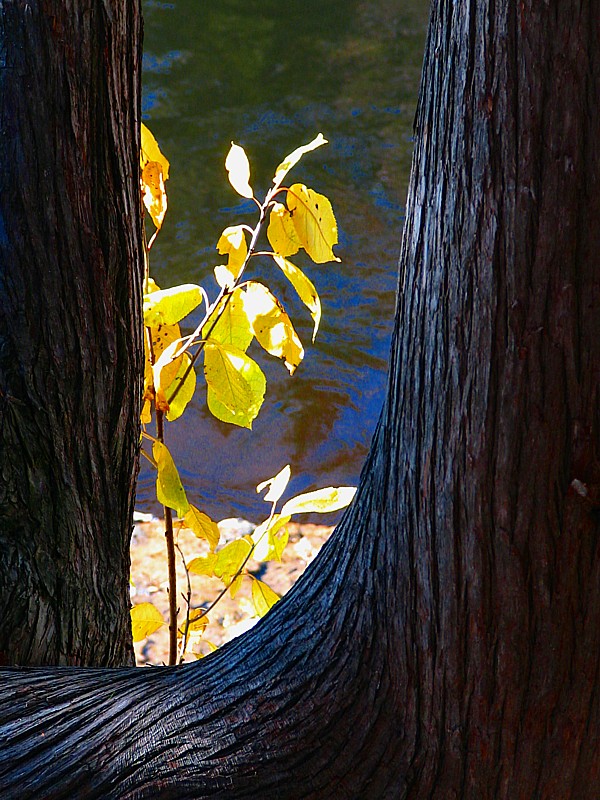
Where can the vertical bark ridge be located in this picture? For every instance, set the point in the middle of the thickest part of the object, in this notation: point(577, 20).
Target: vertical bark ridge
point(70, 328)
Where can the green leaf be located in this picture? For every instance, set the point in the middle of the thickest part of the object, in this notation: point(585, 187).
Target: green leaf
point(168, 306)
point(277, 485)
point(169, 489)
point(272, 326)
point(202, 526)
point(322, 501)
point(281, 231)
point(145, 620)
point(185, 394)
point(304, 287)
point(238, 168)
point(263, 597)
point(293, 158)
point(203, 565)
point(236, 384)
point(314, 222)
point(230, 559)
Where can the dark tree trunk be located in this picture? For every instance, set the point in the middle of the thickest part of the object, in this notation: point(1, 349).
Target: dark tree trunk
point(446, 642)
point(70, 327)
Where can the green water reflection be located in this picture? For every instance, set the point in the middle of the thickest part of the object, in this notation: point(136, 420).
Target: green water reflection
point(270, 76)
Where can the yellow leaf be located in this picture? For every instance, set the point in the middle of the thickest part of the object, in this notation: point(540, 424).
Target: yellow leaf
point(238, 167)
point(169, 489)
point(236, 384)
point(146, 415)
point(232, 243)
point(304, 287)
point(168, 306)
point(323, 500)
point(281, 231)
point(272, 326)
point(263, 597)
point(293, 158)
point(230, 559)
point(269, 538)
point(153, 192)
point(150, 151)
point(197, 621)
point(314, 222)
point(235, 586)
point(145, 620)
point(277, 485)
point(202, 526)
point(203, 565)
point(161, 337)
point(178, 405)
point(232, 326)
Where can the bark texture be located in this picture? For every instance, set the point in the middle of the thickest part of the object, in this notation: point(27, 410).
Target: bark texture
point(446, 641)
point(70, 327)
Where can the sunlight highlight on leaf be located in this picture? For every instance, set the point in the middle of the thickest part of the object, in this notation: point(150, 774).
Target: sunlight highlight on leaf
point(323, 500)
point(272, 326)
point(238, 168)
point(202, 526)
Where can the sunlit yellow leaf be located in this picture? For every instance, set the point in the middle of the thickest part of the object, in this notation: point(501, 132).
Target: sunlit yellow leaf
point(269, 538)
point(233, 326)
point(281, 231)
point(232, 243)
point(168, 306)
point(314, 222)
point(150, 151)
point(146, 619)
point(153, 192)
point(169, 489)
point(236, 384)
point(323, 500)
point(263, 597)
point(235, 586)
point(277, 485)
point(178, 405)
point(202, 526)
point(272, 326)
point(146, 415)
point(203, 565)
point(304, 287)
point(161, 337)
point(293, 158)
point(197, 621)
point(231, 558)
point(238, 167)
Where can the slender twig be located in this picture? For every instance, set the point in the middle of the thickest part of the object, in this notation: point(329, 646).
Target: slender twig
point(188, 599)
point(172, 573)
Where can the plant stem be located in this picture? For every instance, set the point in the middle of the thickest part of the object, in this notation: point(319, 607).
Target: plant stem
point(172, 574)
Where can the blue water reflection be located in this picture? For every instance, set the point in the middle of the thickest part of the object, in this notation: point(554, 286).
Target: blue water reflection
point(271, 76)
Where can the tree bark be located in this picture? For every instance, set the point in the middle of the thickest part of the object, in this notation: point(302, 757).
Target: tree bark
point(446, 641)
point(70, 327)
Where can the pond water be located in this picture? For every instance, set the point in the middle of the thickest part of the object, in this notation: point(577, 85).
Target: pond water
point(270, 76)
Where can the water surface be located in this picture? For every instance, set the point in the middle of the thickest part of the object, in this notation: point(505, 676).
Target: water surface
point(270, 76)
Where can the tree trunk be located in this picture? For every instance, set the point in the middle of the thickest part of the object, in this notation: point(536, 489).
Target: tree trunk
point(446, 641)
point(70, 327)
